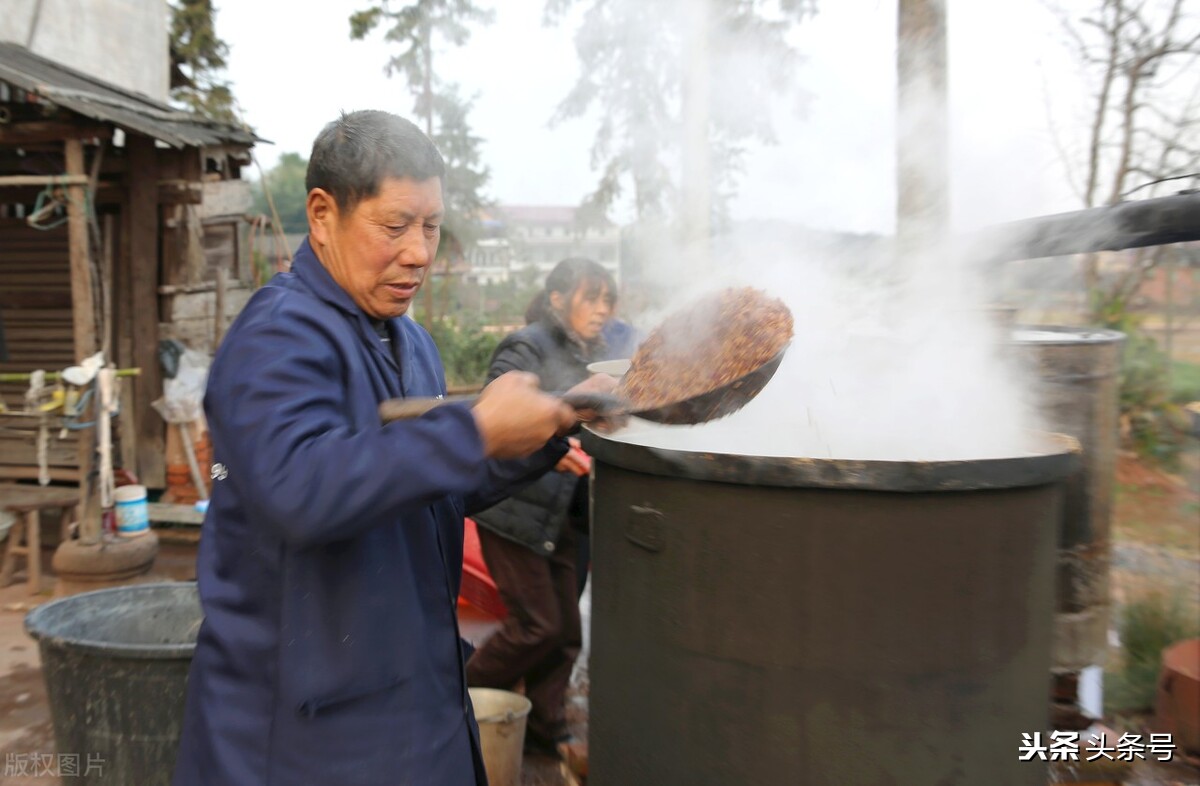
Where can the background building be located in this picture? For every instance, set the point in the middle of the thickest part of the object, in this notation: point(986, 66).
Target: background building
point(527, 241)
point(122, 42)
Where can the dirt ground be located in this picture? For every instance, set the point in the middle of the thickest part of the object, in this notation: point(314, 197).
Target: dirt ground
point(1156, 531)
point(26, 730)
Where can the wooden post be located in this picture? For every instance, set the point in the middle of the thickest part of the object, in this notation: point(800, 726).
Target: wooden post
point(106, 304)
point(143, 282)
point(122, 336)
point(84, 322)
point(219, 316)
point(696, 180)
point(922, 136)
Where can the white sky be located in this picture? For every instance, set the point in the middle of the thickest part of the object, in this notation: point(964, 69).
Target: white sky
point(294, 68)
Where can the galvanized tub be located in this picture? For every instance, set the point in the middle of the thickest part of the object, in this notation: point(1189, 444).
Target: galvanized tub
point(1076, 372)
point(116, 666)
point(775, 620)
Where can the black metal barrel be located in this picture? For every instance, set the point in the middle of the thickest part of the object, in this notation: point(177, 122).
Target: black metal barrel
point(774, 620)
point(1076, 376)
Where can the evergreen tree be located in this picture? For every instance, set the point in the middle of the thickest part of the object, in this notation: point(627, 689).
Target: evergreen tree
point(437, 104)
point(286, 183)
point(636, 59)
point(198, 60)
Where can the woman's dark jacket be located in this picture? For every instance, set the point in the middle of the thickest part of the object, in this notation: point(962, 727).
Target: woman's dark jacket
point(535, 516)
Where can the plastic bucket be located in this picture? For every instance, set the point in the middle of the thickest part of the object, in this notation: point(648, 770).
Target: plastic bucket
point(133, 517)
point(501, 718)
point(116, 667)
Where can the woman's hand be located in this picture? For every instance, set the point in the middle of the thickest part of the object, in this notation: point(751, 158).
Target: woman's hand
point(575, 461)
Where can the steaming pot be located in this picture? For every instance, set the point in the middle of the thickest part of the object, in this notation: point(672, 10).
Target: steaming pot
point(793, 620)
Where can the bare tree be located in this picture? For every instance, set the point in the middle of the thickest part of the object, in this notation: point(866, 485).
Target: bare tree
point(1140, 57)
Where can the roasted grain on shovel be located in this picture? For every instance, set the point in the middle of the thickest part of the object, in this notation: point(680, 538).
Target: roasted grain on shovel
point(716, 340)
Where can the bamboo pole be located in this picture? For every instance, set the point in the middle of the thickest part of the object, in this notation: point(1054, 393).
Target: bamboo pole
point(54, 376)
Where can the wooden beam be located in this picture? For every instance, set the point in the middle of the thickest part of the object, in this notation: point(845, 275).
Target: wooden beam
point(84, 322)
point(50, 131)
point(143, 282)
point(43, 180)
point(27, 111)
point(180, 192)
point(24, 472)
point(190, 289)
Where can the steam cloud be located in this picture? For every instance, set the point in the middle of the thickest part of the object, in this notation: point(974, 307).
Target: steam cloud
point(897, 359)
point(878, 369)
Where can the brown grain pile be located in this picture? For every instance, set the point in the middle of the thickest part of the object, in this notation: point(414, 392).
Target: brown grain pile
point(716, 340)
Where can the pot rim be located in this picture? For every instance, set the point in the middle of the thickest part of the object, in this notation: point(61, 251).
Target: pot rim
point(1062, 457)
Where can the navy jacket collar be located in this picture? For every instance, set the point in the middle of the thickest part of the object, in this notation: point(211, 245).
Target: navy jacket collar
point(308, 268)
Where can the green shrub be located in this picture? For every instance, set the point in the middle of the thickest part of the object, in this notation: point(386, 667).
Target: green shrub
point(1147, 625)
point(1155, 425)
point(465, 349)
point(1185, 382)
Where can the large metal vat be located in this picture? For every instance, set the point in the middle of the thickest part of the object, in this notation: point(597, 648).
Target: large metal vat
point(1076, 373)
point(800, 621)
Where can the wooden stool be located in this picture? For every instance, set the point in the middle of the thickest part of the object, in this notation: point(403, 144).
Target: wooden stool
point(25, 538)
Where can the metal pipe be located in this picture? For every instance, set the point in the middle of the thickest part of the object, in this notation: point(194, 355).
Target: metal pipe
point(1148, 222)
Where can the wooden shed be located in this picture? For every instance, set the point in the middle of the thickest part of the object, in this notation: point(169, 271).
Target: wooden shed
point(121, 224)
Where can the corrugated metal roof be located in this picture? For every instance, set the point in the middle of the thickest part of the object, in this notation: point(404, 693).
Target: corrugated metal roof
point(108, 103)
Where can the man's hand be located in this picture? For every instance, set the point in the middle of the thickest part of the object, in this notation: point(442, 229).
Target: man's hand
point(599, 421)
point(515, 418)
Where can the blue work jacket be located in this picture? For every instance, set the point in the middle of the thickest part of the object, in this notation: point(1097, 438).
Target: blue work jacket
point(331, 554)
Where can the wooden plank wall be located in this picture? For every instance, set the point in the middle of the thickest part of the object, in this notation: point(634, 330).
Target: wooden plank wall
point(165, 198)
point(193, 315)
point(35, 304)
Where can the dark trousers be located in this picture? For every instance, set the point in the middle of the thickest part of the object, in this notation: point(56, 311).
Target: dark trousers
point(540, 637)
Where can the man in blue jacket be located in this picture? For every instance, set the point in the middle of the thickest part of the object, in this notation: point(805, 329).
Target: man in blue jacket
point(331, 554)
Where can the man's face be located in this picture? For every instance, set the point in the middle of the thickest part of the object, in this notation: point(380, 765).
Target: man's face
point(379, 251)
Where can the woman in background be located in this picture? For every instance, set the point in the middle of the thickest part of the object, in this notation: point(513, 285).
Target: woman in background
point(529, 541)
